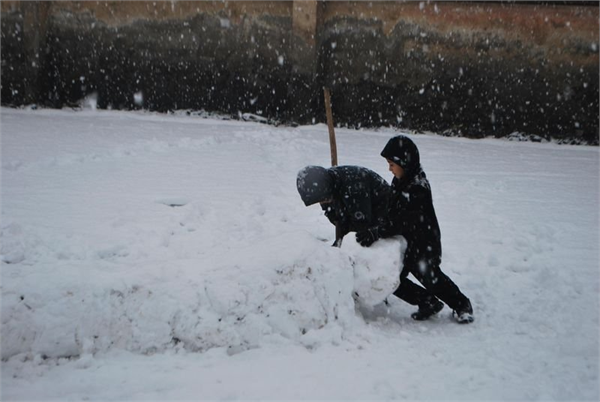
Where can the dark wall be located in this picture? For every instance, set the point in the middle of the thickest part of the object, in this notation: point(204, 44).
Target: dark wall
point(472, 69)
point(192, 60)
point(460, 68)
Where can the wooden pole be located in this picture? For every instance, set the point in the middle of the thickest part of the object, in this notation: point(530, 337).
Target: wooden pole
point(332, 143)
point(339, 235)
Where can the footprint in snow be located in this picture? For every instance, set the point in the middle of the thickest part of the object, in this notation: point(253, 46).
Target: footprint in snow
point(173, 202)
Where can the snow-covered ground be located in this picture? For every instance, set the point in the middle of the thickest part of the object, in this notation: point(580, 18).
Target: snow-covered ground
point(169, 257)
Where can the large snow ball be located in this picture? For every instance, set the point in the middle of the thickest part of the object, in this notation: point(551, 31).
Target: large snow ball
point(376, 269)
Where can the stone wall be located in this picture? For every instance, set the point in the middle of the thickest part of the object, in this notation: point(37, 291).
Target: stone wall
point(470, 68)
point(466, 68)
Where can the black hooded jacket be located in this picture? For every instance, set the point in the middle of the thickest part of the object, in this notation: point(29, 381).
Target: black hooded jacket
point(358, 196)
point(410, 211)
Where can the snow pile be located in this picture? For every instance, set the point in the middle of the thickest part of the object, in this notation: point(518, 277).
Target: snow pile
point(146, 268)
point(54, 311)
point(228, 302)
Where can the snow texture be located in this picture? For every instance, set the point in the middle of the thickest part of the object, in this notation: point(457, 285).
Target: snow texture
point(165, 257)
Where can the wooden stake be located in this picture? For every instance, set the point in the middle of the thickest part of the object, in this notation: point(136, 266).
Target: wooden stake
point(339, 235)
point(332, 144)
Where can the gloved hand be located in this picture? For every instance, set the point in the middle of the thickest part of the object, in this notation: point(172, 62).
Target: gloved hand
point(367, 237)
point(330, 213)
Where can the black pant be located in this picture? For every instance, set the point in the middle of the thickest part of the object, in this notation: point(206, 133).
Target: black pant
point(436, 283)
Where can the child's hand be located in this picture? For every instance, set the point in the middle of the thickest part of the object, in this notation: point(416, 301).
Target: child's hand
point(367, 237)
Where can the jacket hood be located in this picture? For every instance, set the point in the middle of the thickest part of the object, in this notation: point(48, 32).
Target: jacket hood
point(402, 151)
point(315, 184)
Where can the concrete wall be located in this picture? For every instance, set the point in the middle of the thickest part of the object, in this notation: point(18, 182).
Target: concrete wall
point(457, 67)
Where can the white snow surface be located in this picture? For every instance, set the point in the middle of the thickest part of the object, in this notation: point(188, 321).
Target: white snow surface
point(169, 257)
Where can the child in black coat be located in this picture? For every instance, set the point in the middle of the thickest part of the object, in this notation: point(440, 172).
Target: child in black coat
point(411, 214)
point(354, 198)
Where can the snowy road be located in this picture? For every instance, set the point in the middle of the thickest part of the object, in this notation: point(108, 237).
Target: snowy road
point(168, 257)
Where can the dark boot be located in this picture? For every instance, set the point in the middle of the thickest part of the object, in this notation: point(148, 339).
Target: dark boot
point(427, 309)
point(464, 314)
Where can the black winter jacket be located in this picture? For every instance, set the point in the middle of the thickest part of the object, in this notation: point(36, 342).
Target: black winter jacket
point(410, 211)
point(359, 198)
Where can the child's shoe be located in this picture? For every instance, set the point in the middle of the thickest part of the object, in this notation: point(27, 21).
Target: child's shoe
point(464, 315)
point(428, 309)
